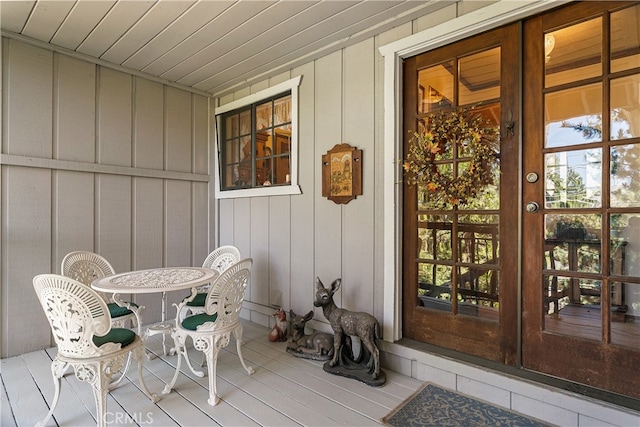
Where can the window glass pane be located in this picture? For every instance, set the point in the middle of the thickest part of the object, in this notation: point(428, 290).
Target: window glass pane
point(230, 175)
point(625, 245)
point(625, 107)
point(245, 122)
point(231, 125)
point(435, 87)
point(281, 153)
point(572, 242)
point(566, 316)
point(625, 317)
point(434, 285)
point(231, 150)
point(245, 147)
point(264, 146)
point(573, 179)
point(243, 175)
point(479, 77)
point(573, 116)
point(264, 116)
point(434, 237)
point(573, 53)
point(625, 39)
point(478, 279)
point(478, 239)
point(282, 110)
point(555, 293)
point(625, 175)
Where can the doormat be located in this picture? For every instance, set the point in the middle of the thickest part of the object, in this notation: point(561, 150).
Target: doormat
point(435, 406)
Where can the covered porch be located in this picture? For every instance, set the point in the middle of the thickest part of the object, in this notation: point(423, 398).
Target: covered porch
point(284, 390)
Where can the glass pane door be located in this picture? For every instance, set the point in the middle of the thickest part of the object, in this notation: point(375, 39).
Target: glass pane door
point(459, 248)
point(581, 249)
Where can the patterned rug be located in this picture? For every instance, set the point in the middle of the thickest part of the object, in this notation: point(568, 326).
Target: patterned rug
point(435, 406)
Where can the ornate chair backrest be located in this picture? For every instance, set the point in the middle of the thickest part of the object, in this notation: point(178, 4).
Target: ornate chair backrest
point(85, 267)
point(75, 313)
point(227, 293)
point(222, 258)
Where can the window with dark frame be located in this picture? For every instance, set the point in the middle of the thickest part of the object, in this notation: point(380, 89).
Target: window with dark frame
point(255, 144)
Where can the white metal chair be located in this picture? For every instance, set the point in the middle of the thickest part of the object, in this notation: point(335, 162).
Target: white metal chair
point(82, 329)
point(212, 329)
point(85, 267)
point(219, 259)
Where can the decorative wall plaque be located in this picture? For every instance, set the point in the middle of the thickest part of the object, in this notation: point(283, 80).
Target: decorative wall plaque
point(342, 173)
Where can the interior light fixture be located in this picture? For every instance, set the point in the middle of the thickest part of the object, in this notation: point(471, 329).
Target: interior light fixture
point(549, 44)
point(433, 96)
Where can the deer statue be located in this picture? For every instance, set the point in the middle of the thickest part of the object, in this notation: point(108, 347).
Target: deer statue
point(318, 345)
point(279, 331)
point(348, 323)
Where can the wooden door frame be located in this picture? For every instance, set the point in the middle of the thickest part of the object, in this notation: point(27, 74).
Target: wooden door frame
point(497, 341)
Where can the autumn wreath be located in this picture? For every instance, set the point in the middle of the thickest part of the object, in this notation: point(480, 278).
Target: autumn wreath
point(428, 161)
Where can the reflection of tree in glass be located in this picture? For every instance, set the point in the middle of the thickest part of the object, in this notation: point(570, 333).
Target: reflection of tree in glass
point(565, 179)
point(589, 131)
point(573, 189)
point(625, 175)
point(620, 123)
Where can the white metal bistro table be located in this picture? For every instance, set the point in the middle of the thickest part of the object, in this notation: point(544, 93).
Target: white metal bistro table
point(155, 280)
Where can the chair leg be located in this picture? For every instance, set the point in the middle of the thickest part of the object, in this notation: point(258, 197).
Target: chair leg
point(57, 371)
point(197, 373)
point(138, 354)
point(100, 385)
point(179, 346)
point(211, 353)
point(179, 341)
point(237, 332)
point(123, 373)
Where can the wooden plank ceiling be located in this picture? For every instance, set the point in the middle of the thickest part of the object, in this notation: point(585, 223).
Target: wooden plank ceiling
point(213, 46)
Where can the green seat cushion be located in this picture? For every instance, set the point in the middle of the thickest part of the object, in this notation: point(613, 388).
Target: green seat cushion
point(192, 322)
point(199, 300)
point(116, 335)
point(116, 311)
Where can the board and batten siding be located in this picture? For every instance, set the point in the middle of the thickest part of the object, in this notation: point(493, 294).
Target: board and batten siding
point(95, 159)
point(294, 239)
point(122, 167)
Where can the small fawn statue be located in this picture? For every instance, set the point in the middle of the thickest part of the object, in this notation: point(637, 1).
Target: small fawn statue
point(317, 346)
point(279, 331)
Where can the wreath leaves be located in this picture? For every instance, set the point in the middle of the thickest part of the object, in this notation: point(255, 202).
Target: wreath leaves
point(428, 160)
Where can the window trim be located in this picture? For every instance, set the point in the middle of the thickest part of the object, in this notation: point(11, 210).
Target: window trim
point(276, 190)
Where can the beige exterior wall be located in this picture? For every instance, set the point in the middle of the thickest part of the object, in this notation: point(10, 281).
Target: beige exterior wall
point(94, 159)
point(294, 239)
point(97, 159)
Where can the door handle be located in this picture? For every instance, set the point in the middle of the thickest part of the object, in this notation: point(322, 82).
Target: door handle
point(532, 207)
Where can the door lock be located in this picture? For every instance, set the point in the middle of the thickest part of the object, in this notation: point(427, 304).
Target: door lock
point(532, 177)
point(532, 207)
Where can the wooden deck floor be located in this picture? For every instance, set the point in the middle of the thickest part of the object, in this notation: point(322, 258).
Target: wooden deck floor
point(284, 391)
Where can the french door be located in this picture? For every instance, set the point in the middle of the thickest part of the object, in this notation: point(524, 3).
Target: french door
point(581, 195)
point(460, 261)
